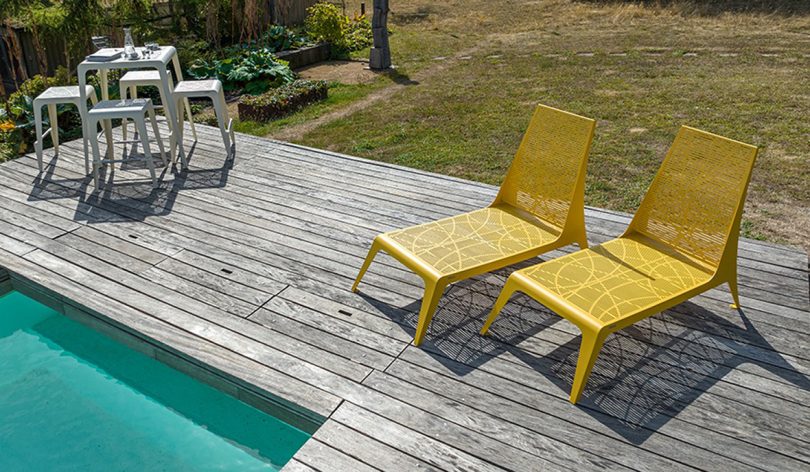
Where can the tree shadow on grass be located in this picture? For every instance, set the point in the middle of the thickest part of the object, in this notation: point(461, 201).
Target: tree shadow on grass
point(720, 7)
point(646, 375)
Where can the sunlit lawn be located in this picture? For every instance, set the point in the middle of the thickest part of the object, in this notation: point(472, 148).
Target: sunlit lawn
point(641, 72)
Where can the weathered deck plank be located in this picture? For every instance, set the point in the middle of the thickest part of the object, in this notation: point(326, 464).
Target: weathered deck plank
point(241, 272)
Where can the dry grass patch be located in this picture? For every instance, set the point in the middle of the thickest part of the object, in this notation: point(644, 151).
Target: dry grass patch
point(648, 66)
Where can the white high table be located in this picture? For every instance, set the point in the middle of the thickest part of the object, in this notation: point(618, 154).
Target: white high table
point(158, 60)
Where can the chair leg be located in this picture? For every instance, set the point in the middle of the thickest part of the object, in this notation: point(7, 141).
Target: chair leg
point(509, 288)
point(221, 110)
point(147, 154)
point(190, 118)
point(589, 348)
point(583, 242)
point(93, 100)
point(179, 139)
point(165, 104)
point(735, 294)
point(53, 117)
point(375, 248)
point(92, 128)
point(228, 120)
point(155, 130)
point(433, 292)
point(38, 129)
point(124, 121)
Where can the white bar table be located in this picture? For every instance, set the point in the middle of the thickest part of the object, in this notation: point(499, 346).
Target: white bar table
point(157, 60)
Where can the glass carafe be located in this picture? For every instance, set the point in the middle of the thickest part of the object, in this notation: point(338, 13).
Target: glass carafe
point(129, 44)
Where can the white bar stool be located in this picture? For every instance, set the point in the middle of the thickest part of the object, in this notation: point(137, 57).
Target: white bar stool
point(204, 89)
point(135, 110)
point(52, 97)
point(128, 86)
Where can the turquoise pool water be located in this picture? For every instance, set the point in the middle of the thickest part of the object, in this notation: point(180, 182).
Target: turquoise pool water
point(73, 399)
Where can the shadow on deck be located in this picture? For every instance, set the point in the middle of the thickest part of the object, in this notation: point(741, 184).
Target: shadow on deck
point(245, 265)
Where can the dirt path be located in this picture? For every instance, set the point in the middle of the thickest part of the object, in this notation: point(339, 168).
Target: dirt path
point(296, 132)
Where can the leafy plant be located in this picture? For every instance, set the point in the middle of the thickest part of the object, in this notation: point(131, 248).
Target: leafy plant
point(190, 49)
point(326, 23)
point(10, 139)
point(278, 38)
point(252, 70)
point(281, 101)
point(358, 34)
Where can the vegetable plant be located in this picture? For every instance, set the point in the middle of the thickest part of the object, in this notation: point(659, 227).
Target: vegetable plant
point(251, 70)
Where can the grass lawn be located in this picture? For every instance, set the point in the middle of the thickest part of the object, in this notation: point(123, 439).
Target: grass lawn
point(478, 67)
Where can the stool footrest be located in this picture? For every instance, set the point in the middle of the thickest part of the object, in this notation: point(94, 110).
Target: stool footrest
point(44, 133)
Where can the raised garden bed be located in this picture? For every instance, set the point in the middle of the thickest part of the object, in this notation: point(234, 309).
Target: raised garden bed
point(305, 56)
point(282, 101)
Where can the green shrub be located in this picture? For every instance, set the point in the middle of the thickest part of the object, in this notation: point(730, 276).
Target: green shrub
point(326, 23)
point(281, 101)
point(358, 34)
point(252, 71)
point(190, 49)
point(39, 83)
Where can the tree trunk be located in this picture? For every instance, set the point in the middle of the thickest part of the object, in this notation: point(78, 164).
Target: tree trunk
point(381, 52)
point(251, 21)
point(42, 60)
point(18, 72)
point(212, 23)
point(67, 61)
point(2, 86)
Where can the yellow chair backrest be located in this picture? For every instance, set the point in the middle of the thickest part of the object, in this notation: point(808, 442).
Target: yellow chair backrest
point(695, 202)
point(547, 175)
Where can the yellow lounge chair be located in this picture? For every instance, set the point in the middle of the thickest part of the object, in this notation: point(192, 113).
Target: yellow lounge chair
point(681, 242)
point(540, 207)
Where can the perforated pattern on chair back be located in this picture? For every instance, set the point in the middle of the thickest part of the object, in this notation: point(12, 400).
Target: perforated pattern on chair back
point(549, 164)
point(699, 190)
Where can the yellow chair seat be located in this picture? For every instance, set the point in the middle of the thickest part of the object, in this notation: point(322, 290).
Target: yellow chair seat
point(681, 242)
point(539, 207)
point(616, 280)
point(452, 246)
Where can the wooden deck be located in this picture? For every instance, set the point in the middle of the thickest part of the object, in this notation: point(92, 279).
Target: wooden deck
point(239, 274)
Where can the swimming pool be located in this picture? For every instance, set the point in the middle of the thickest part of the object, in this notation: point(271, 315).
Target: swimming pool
point(74, 399)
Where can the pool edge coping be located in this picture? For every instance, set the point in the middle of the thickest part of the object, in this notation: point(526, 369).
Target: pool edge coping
point(291, 413)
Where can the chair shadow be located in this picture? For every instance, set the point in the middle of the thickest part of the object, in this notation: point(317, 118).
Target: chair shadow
point(128, 200)
point(453, 334)
point(645, 375)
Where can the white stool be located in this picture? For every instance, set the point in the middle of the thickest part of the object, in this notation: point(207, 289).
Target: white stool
point(135, 110)
point(128, 86)
point(204, 89)
point(52, 97)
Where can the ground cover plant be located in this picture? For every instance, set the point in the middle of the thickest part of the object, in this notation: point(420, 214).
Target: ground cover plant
point(281, 101)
